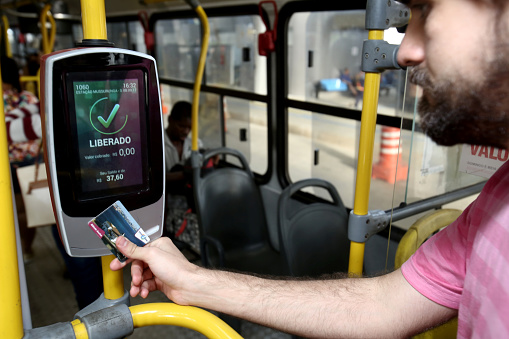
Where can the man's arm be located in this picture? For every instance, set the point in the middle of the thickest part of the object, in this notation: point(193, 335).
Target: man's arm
point(385, 306)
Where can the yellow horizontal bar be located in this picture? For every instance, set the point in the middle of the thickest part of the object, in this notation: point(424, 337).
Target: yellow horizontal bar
point(184, 316)
point(27, 78)
point(80, 330)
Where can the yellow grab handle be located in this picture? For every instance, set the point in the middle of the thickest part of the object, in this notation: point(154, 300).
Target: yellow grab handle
point(199, 75)
point(47, 42)
point(184, 316)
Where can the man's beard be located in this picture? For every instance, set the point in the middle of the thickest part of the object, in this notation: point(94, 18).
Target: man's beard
point(458, 111)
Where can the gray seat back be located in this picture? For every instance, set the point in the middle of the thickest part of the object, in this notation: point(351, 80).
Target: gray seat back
point(229, 204)
point(313, 237)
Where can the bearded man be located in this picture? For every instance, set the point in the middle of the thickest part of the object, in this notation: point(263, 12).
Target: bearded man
point(458, 50)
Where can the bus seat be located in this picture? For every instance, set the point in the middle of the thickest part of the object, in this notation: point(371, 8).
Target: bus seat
point(270, 198)
point(232, 222)
point(313, 237)
point(421, 230)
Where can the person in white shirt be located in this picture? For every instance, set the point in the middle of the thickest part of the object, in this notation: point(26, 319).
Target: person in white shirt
point(177, 142)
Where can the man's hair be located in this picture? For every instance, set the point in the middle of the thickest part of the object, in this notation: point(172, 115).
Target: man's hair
point(10, 72)
point(181, 110)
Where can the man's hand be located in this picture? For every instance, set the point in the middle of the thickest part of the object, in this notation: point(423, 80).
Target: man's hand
point(157, 266)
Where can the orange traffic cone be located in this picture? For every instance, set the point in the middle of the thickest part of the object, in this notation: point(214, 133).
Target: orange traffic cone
point(390, 167)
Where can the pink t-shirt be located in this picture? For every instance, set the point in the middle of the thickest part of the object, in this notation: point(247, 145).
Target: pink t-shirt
point(466, 266)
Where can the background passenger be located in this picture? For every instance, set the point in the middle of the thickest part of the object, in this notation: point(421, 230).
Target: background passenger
point(181, 224)
point(177, 146)
point(346, 78)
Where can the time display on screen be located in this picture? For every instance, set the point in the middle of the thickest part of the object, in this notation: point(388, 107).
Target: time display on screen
point(109, 138)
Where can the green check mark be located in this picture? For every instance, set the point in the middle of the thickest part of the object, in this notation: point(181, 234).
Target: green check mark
point(107, 123)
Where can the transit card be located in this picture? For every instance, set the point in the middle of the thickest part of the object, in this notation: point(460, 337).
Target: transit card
point(114, 222)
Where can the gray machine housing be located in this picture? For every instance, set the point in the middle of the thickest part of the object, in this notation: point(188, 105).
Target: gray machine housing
point(145, 204)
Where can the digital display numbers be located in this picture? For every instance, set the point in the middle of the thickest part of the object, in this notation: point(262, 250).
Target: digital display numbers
point(109, 139)
point(128, 86)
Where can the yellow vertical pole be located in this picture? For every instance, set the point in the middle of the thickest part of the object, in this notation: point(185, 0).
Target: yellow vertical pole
point(365, 160)
point(93, 16)
point(113, 281)
point(11, 320)
point(5, 36)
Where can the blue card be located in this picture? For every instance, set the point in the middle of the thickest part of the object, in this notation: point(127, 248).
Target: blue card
point(114, 222)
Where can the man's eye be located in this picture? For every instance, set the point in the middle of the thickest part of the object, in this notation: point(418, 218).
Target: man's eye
point(420, 10)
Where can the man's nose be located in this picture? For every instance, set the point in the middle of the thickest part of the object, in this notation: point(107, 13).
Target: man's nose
point(412, 51)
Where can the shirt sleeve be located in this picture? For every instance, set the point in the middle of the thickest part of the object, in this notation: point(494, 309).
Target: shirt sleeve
point(437, 269)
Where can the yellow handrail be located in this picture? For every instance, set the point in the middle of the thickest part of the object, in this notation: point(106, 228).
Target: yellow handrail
point(199, 75)
point(184, 316)
point(5, 36)
point(80, 330)
point(32, 78)
point(11, 321)
point(47, 42)
point(365, 160)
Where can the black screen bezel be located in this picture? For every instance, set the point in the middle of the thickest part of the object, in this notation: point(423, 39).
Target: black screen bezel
point(70, 78)
point(63, 152)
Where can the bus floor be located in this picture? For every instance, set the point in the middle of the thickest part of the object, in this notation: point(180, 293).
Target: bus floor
point(52, 299)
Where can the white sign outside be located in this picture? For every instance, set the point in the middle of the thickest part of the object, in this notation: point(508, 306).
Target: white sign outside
point(481, 160)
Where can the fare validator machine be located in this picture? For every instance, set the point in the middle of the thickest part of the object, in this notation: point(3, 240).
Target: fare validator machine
point(103, 140)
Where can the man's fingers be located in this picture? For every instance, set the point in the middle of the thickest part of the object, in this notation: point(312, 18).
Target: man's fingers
point(137, 272)
point(129, 249)
point(116, 264)
point(147, 287)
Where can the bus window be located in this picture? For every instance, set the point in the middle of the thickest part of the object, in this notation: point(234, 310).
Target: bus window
point(325, 66)
point(246, 130)
point(136, 37)
point(323, 146)
point(232, 59)
point(77, 32)
point(117, 33)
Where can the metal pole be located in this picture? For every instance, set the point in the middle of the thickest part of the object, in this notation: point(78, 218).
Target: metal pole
point(199, 75)
point(11, 320)
point(93, 17)
point(365, 160)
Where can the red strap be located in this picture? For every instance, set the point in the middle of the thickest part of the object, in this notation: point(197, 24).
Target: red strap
point(267, 27)
point(183, 226)
point(149, 35)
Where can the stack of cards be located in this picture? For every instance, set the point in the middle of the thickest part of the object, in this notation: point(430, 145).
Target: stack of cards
point(114, 222)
